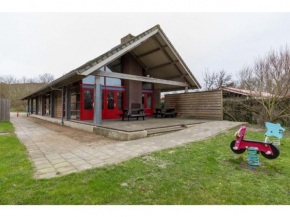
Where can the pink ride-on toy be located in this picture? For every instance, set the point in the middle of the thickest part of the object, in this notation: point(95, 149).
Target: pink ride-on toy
point(267, 149)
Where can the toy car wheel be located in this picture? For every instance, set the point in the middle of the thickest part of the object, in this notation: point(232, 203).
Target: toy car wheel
point(241, 151)
point(275, 151)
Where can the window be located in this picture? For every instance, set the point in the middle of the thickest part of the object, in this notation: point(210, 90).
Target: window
point(143, 100)
point(120, 100)
point(146, 85)
point(115, 66)
point(148, 101)
point(110, 100)
point(75, 98)
point(88, 100)
point(91, 80)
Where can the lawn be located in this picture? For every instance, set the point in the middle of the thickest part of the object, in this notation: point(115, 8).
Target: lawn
point(205, 172)
point(6, 127)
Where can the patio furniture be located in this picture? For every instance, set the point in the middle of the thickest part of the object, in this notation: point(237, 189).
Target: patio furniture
point(134, 112)
point(167, 112)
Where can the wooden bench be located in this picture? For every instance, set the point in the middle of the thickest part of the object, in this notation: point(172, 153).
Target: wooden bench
point(167, 112)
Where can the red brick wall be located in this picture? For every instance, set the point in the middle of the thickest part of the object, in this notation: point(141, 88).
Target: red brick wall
point(156, 98)
point(133, 88)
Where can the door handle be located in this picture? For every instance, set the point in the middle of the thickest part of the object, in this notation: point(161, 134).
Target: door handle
point(114, 105)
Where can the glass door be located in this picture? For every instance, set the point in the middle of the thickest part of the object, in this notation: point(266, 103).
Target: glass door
point(87, 112)
point(113, 104)
point(147, 103)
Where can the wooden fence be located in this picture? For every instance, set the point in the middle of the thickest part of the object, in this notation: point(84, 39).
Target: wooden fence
point(4, 110)
point(201, 105)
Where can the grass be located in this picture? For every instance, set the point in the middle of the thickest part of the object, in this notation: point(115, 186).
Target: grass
point(205, 172)
point(6, 127)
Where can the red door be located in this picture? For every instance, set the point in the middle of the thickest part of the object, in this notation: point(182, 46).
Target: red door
point(113, 103)
point(147, 103)
point(87, 105)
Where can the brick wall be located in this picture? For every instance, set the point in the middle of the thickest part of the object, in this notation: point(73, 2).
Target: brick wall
point(133, 88)
point(156, 98)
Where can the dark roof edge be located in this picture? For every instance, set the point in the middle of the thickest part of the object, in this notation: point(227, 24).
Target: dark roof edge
point(178, 55)
point(104, 56)
point(67, 75)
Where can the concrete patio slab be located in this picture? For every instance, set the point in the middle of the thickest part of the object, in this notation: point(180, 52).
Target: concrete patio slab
point(54, 154)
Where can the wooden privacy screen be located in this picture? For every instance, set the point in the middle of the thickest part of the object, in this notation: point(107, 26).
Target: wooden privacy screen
point(202, 105)
point(4, 110)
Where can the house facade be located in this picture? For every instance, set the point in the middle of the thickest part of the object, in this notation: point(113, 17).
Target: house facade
point(132, 74)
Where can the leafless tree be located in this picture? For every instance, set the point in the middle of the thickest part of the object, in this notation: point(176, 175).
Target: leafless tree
point(46, 78)
point(217, 80)
point(269, 83)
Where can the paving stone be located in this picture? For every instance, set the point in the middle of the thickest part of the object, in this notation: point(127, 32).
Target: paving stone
point(53, 156)
point(69, 172)
point(42, 161)
point(63, 164)
point(57, 161)
point(84, 167)
point(80, 162)
point(46, 170)
point(43, 166)
point(112, 160)
point(68, 155)
point(104, 156)
point(95, 161)
point(64, 169)
point(46, 175)
point(73, 159)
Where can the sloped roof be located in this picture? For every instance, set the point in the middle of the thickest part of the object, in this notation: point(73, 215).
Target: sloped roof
point(245, 92)
point(176, 69)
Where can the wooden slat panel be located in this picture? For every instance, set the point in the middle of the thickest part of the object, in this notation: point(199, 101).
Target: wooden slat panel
point(4, 110)
point(204, 105)
point(57, 104)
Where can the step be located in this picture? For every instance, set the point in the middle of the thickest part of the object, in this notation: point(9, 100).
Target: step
point(162, 130)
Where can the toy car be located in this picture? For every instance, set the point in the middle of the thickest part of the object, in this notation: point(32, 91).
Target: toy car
point(266, 148)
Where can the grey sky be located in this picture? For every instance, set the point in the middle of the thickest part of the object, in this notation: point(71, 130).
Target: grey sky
point(56, 43)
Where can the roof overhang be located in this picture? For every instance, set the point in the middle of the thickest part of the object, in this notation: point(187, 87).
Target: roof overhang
point(153, 51)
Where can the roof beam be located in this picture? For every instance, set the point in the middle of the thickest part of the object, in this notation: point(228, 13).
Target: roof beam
point(114, 56)
point(161, 66)
point(139, 78)
point(177, 76)
point(152, 51)
point(138, 60)
point(167, 55)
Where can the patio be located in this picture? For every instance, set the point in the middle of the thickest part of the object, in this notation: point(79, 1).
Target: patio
point(148, 124)
point(54, 154)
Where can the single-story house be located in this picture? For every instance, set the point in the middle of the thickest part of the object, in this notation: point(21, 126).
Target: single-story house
point(236, 93)
point(135, 72)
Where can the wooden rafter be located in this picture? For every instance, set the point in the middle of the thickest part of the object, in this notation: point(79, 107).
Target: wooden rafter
point(167, 55)
point(139, 78)
point(152, 51)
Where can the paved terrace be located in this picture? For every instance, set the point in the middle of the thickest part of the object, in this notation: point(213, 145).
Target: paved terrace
point(54, 154)
point(147, 124)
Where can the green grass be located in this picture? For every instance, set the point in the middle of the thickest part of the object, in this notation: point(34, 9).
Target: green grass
point(205, 172)
point(6, 127)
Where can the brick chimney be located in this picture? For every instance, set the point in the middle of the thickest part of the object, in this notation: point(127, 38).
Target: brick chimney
point(126, 38)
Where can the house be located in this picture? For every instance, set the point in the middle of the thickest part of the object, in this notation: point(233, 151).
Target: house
point(134, 72)
point(235, 93)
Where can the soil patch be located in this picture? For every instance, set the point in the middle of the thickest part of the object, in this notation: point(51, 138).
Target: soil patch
point(79, 135)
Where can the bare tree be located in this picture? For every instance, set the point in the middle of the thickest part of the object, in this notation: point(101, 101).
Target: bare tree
point(217, 80)
point(46, 78)
point(269, 82)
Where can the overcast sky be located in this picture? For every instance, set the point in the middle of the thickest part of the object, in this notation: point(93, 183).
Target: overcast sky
point(31, 44)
